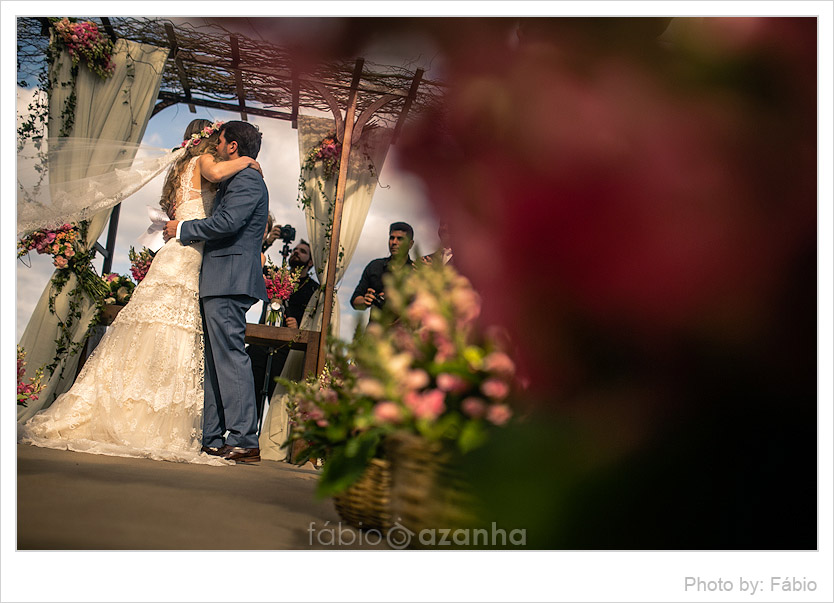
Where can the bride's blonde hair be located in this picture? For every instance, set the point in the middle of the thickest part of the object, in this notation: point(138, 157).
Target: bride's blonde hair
point(207, 144)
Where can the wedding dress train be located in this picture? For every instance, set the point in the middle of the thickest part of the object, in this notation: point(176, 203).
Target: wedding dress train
point(140, 393)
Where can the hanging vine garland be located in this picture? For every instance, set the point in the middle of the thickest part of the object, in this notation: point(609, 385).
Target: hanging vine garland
point(81, 41)
point(70, 257)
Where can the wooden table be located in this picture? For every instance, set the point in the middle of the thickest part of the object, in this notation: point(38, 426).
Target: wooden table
point(256, 334)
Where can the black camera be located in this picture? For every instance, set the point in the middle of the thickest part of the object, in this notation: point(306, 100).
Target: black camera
point(287, 233)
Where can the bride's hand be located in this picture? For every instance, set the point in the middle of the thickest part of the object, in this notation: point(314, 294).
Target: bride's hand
point(255, 165)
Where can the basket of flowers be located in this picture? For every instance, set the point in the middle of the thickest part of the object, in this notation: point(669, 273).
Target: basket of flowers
point(439, 387)
point(336, 424)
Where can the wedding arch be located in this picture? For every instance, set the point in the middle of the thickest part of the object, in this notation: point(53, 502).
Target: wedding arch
point(165, 62)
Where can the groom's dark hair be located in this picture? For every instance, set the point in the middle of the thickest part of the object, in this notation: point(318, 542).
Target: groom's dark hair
point(247, 137)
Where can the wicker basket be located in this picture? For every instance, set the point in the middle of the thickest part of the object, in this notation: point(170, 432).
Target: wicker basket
point(367, 503)
point(427, 489)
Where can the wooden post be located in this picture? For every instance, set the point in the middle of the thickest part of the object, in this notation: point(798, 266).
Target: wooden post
point(338, 206)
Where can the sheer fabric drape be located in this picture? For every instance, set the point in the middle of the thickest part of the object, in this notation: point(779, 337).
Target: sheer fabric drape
point(359, 191)
point(117, 108)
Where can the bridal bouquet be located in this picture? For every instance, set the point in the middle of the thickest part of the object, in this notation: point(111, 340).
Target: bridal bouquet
point(27, 391)
point(281, 282)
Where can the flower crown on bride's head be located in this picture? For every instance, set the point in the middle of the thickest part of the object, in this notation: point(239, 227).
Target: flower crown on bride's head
point(197, 137)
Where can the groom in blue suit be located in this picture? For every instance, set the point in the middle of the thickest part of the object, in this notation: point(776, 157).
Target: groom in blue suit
point(231, 281)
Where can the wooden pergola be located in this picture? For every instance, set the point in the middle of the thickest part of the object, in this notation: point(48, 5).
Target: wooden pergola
point(210, 66)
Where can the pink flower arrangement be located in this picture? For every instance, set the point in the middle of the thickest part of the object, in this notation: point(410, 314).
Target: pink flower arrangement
point(424, 369)
point(280, 282)
point(328, 152)
point(427, 357)
point(27, 391)
point(140, 263)
point(119, 288)
point(59, 243)
point(83, 40)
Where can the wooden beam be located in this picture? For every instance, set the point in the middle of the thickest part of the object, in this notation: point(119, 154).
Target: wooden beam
point(334, 108)
point(295, 91)
point(108, 27)
point(412, 94)
point(169, 98)
point(337, 215)
point(190, 57)
point(241, 92)
point(172, 39)
point(368, 113)
point(164, 102)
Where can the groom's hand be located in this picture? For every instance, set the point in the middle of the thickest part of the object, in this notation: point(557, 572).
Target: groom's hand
point(170, 230)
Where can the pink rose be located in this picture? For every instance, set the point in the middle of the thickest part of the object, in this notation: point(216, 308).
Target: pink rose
point(416, 379)
point(426, 406)
point(387, 412)
point(60, 261)
point(474, 407)
point(451, 383)
point(495, 389)
point(373, 388)
point(500, 364)
point(435, 323)
point(498, 414)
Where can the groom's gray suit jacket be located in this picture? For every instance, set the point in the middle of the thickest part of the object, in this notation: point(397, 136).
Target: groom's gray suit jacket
point(233, 236)
point(231, 280)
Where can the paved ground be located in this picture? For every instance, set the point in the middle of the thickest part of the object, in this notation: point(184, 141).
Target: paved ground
point(76, 501)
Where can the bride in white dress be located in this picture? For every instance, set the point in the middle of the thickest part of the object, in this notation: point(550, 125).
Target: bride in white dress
point(140, 393)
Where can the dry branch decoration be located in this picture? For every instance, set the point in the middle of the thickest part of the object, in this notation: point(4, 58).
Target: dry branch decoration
point(266, 70)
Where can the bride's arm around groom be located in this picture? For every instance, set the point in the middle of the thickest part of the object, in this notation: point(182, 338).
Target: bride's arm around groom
point(231, 281)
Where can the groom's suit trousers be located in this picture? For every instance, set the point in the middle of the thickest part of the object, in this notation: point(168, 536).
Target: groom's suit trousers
point(229, 389)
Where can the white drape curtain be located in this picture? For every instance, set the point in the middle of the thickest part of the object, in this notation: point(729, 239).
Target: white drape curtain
point(359, 191)
point(117, 108)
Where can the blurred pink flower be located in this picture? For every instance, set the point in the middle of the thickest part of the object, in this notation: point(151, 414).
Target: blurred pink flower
point(498, 414)
point(416, 379)
point(387, 412)
point(373, 388)
point(451, 383)
point(435, 323)
point(500, 364)
point(474, 407)
point(60, 262)
point(428, 405)
point(495, 389)
point(466, 302)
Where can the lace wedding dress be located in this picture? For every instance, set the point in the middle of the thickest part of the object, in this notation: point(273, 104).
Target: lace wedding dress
point(140, 393)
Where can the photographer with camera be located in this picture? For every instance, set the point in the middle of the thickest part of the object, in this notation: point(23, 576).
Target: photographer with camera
point(370, 291)
point(302, 258)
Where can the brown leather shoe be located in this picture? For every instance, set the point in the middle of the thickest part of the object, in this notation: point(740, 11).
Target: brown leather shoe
point(212, 450)
point(240, 455)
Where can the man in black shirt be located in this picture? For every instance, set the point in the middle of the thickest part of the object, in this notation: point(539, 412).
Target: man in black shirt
point(301, 257)
point(370, 291)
